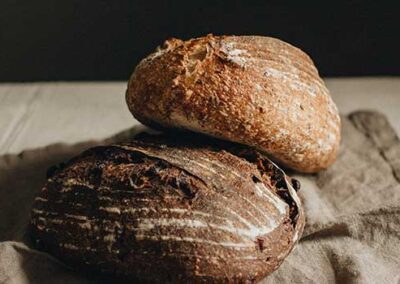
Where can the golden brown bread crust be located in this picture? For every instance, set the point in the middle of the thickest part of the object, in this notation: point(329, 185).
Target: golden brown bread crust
point(254, 90)
point(162, 211)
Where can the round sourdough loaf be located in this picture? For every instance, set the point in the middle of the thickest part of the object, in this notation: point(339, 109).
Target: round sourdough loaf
point(161, 211)
point(254, 90)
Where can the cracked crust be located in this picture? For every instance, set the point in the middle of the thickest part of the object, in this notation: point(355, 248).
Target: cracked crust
point(254, 90)
point(160, 210)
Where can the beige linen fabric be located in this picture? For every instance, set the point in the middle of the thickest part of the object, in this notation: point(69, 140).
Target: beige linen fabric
point(352, 233)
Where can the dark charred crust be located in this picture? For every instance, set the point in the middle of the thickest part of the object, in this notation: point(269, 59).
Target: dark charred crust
point(272, 176)
point(270, 173)
point(91, 203)
point(51, 171)
point(296, 184)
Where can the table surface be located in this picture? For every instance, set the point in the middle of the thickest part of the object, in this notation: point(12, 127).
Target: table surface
point(38, 114)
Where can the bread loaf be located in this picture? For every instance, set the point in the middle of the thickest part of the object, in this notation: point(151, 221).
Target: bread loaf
point(161, 211)
point(258, 91)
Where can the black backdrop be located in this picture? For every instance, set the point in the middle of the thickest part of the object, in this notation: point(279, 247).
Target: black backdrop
point(103, 40)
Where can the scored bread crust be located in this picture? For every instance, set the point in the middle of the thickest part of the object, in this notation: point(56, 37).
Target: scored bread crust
point(162, 211)
point(253, 90)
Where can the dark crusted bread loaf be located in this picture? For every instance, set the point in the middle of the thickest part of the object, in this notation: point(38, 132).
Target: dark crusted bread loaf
point(258, 91)
point(160, 211)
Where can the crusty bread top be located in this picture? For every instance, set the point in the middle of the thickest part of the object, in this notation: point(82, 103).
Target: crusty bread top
point(254, 90)
point(170, 210)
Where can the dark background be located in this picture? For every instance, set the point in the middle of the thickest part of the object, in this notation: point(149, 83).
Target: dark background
point(103, 40)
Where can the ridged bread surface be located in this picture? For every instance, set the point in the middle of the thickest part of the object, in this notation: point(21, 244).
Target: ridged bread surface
point(159, 213)
point(254, 90)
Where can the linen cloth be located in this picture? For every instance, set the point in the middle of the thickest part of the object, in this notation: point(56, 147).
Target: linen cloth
point(352, 232)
